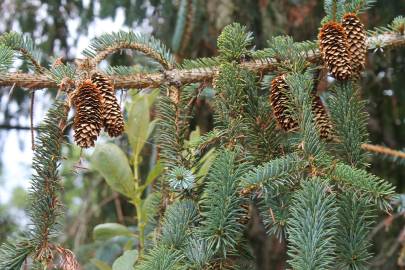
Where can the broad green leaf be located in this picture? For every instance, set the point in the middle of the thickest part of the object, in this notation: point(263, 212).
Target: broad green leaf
point(126, 261)
point(113, 165)
point(137, 124)
point(153, 174)
point(100, 264)
point(151, 127)
point(151, 97)
point(108, 230)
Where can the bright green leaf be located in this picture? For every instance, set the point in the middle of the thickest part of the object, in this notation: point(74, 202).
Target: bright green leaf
point(113, 165)
point(151, 127)
point(137, 124)
point(108, 230)
point(153, 174)
point(100, 264)
point(126, 261)
point(151, 97)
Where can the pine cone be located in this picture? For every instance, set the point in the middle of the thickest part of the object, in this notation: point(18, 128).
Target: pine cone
point(333, 47)
point(322, 120)
point(278, 101)
point(87, 121)
point(356, 41)
point(112, 117)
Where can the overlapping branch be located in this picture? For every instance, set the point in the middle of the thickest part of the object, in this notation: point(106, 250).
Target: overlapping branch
point(183, 76)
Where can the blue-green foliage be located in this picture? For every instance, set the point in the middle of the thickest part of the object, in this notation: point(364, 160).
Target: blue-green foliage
point(6, 57)
point(301, 86)
point(25, 46)
point(355, 217)
point(273, 173)
point(177, 223)
point(312, 226)
point(233, 42)
point(45, 209)
point(162, 258)
point(350, 121)
point(221, 203)
point(370, 187)
point(198, 252)
point(143, 43)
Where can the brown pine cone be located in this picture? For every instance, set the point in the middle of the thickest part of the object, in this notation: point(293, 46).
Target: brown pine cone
point(356, 41)
point(322, 119)
point(279, 102)
point(87, 122)
point(113, 119)
point(333, 47)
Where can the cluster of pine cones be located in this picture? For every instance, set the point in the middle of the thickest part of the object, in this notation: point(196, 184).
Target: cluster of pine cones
point(343, 47)
point(284, 116)
point(96, 107)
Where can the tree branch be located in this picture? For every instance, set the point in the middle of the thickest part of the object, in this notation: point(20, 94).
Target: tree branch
point(383, 150)
point(183, 76)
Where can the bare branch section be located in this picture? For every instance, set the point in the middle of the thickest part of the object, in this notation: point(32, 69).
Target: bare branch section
point(183, 76)
point(383, 150)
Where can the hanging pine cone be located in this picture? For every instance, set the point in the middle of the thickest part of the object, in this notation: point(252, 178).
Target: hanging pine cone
point(87, 121)
point(356, 41)
point(333, 47)
point(278, 101)
point(112, 117)
point(322, 120)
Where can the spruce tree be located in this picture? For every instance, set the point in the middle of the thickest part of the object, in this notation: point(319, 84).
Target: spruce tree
point(279, 157)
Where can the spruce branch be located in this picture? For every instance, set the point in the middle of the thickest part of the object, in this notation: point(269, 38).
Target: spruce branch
point(233, 42)
point(349, 117)
point(231, 85)
point(25, 46)
point(221, 204)
point(13, 254)
point(334, 9)
point(186, 76)
point(161, 258)
point(107, 44)
point(355, 217)
point(358, 6)
point(275, 209)
point(172, 124)
point(6, 57)
point(382, 150)
point(369, 186)
point(301, 86)
point(198, 252)
point(311, 227)
point(45, 208)
point(178, 220)
point(273, 173)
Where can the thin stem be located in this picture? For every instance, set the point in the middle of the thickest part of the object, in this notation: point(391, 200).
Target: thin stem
point(137, 202)
point(32, 120)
